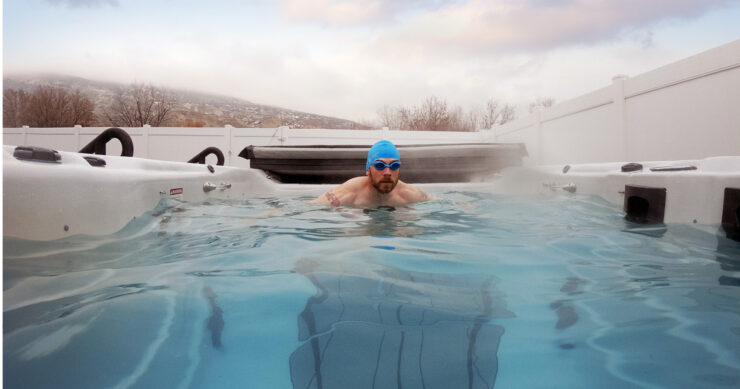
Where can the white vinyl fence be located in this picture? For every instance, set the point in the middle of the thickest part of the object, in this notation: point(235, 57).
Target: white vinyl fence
point(689, 109)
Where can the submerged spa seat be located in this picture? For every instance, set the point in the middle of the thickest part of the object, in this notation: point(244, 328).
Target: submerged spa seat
point(321, 164)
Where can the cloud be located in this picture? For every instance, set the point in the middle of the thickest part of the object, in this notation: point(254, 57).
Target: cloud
point(351, 13)
point(401, 52)
point(332, 12)
point(480, 27)
point(83, 3)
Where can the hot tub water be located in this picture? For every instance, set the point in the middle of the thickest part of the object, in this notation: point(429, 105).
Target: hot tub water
point(475, 290)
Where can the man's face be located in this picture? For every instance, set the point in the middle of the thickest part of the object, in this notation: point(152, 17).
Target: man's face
point(383, 180)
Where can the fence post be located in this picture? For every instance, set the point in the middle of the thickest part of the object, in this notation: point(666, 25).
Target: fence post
point(77, 136)
point(620, 108)
point(147, 129)
point(229, 134)
point(540, 146)
point(283, 134)
point(25, 135)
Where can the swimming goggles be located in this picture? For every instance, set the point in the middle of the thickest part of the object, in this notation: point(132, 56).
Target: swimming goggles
point(380, 165)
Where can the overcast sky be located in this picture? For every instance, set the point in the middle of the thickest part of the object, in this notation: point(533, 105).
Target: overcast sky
point(348, 58)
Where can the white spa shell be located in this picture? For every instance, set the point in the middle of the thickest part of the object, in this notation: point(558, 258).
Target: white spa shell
point(47, 201)
point(41, 198)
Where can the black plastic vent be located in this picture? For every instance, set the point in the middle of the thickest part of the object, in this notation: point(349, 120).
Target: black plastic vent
point(37, 154)
point(645, 205)
point(94, 161)
point(731, 213)
point(631, 167)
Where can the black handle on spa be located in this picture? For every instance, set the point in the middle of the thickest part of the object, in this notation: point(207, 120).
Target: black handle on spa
point(97, 145)
point(201, 157)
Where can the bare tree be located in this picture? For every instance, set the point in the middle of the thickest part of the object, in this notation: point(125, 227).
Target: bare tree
point(491, 114)
point(81, 109)
point(434, 115)
point(541, 102)
point(508, 113)
point(14, 105)
point(140, 104)
point(431, 115)
point(47, 106)
point(461, 121)
point(404, 118)
point(473, 119)
point(391, 117)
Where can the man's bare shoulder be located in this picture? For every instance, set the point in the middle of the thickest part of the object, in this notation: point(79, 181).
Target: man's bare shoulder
point(343, 194)
point(413, 194)
point(354, 183)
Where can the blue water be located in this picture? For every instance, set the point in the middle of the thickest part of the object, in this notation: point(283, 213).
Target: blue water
point(473, 291)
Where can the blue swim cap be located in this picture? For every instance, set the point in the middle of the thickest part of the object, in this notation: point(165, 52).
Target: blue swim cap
point(382, 149)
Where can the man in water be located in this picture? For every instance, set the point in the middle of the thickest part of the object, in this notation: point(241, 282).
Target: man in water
point(380, 184)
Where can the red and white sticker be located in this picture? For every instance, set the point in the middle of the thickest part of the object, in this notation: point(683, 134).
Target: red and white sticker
point(175, 191)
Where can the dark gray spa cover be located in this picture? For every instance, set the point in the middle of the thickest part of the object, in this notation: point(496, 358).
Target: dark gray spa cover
point(322, 164)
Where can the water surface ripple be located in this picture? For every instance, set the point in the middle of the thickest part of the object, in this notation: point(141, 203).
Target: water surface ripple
point(475, 290)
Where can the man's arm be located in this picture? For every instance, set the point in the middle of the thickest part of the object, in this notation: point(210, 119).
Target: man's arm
point(424, 196)
point(414, 194)
point(327, 198)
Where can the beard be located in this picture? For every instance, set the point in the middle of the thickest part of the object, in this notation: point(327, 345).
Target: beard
point(384, 185)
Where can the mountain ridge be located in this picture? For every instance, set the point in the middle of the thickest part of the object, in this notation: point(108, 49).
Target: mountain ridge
point(192, 109)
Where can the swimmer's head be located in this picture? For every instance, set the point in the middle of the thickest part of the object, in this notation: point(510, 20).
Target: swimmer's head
point(382, 167)
point(382, 149)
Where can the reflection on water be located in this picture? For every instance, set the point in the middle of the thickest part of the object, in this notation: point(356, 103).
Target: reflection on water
point(215, 322)
point(567, 315)
point(54, 309)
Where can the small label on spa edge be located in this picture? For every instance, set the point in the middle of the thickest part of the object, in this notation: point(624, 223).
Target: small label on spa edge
point(175, 191)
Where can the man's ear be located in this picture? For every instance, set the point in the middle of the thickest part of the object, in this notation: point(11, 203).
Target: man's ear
point(367, 172)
